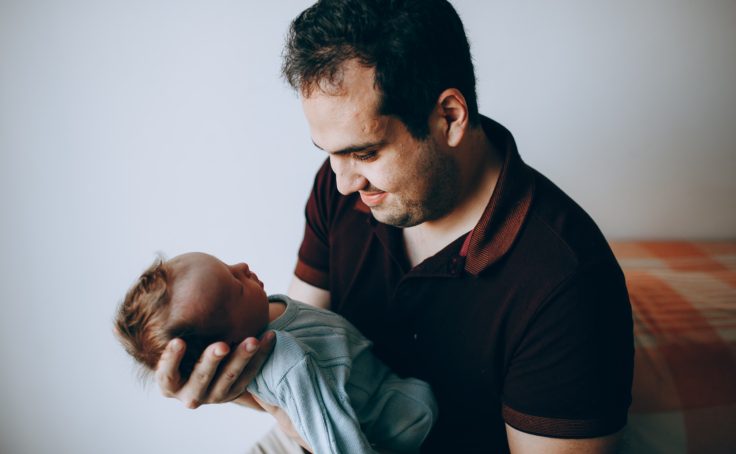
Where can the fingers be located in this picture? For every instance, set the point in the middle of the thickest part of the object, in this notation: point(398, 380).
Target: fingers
point(201, 388)
point(254, 365)
point(244, 364)
point(167, 370)
point(222, 388)
point(194, 391)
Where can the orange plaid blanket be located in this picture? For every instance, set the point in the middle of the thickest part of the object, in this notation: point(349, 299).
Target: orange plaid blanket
point(683, 296)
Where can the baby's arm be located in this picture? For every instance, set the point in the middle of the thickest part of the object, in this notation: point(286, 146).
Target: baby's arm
point(320, 410)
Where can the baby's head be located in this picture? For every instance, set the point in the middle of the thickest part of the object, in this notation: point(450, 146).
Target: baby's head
point(195, 297)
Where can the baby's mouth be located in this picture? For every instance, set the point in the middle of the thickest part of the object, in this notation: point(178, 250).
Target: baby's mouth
point(255, 277)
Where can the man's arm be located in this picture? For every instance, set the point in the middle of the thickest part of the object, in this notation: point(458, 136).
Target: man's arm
point(570, 376)
point(522, 442)
point(308, 293)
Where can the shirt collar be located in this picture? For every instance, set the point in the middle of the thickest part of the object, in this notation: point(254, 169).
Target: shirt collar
point(507, 209)
point(503, 217)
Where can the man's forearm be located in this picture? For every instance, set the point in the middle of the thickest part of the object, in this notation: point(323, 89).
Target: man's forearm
point(246, 400)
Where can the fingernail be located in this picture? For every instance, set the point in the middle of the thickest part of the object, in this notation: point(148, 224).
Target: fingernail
point(175, 345)
point(250, 347)
point(220, 351)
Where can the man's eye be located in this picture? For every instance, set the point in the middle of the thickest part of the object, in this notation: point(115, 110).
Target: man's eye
point(365, 156)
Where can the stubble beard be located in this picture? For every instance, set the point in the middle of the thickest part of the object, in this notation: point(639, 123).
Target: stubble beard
point(438, 178)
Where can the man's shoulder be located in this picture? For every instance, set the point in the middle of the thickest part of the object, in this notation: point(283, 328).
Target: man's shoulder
point(559, 244)
point(561, 231)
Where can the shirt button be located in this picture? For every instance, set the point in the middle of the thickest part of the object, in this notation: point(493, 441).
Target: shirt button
point(454, 266)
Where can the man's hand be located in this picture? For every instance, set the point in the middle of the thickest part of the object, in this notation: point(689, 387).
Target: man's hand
point(206, 385)
point(284, 423)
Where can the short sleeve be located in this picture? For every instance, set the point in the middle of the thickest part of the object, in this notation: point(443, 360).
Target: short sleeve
point(571, 374)
point(313, 260)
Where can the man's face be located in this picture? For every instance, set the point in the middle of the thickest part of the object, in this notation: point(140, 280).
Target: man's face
point(220, 299)
point(404, 181)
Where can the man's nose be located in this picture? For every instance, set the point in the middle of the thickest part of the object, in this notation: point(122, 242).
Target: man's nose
point(349, 179)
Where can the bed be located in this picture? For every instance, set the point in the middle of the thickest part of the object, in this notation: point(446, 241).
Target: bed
point(683, 296)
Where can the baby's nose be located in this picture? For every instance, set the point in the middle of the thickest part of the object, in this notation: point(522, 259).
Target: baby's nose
point(242, 268)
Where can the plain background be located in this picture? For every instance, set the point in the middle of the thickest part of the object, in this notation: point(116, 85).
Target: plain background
point(133, 127)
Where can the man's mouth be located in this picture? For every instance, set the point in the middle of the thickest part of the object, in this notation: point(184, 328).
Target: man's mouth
point(373, 198)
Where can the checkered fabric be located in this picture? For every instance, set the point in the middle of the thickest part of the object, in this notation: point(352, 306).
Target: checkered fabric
point(683, 296)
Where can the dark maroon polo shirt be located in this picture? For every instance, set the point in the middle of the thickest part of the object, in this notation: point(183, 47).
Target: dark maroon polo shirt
point(524, 320)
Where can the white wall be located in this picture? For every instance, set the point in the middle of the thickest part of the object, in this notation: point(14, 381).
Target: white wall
point(132, 127)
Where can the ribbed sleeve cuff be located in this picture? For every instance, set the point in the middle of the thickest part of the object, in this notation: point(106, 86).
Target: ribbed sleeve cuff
point(562, 428)
point(311, 275)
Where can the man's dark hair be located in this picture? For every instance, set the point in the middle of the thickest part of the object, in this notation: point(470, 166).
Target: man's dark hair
point(417, 47)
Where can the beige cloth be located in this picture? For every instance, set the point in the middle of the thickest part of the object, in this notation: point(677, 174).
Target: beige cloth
point(275, 442)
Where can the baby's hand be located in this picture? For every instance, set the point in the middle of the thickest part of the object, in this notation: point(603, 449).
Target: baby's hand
point(206, 385)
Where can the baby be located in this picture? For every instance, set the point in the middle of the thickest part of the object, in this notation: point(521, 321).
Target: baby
point(339, 396)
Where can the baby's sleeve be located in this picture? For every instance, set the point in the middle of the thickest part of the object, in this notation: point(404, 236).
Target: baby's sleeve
point(321, 411)
point(401, 414)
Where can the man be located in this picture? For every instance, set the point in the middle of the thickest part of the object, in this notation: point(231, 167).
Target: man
point(465, 267)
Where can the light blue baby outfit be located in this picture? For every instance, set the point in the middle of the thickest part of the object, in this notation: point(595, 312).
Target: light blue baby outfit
point(339, 396)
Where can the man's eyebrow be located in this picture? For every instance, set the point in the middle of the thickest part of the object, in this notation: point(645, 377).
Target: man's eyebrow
point(353, 148)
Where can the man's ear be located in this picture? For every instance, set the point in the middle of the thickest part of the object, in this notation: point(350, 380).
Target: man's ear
point(452, 116)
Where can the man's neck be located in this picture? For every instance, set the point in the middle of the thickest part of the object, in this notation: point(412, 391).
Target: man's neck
point(480, 166)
